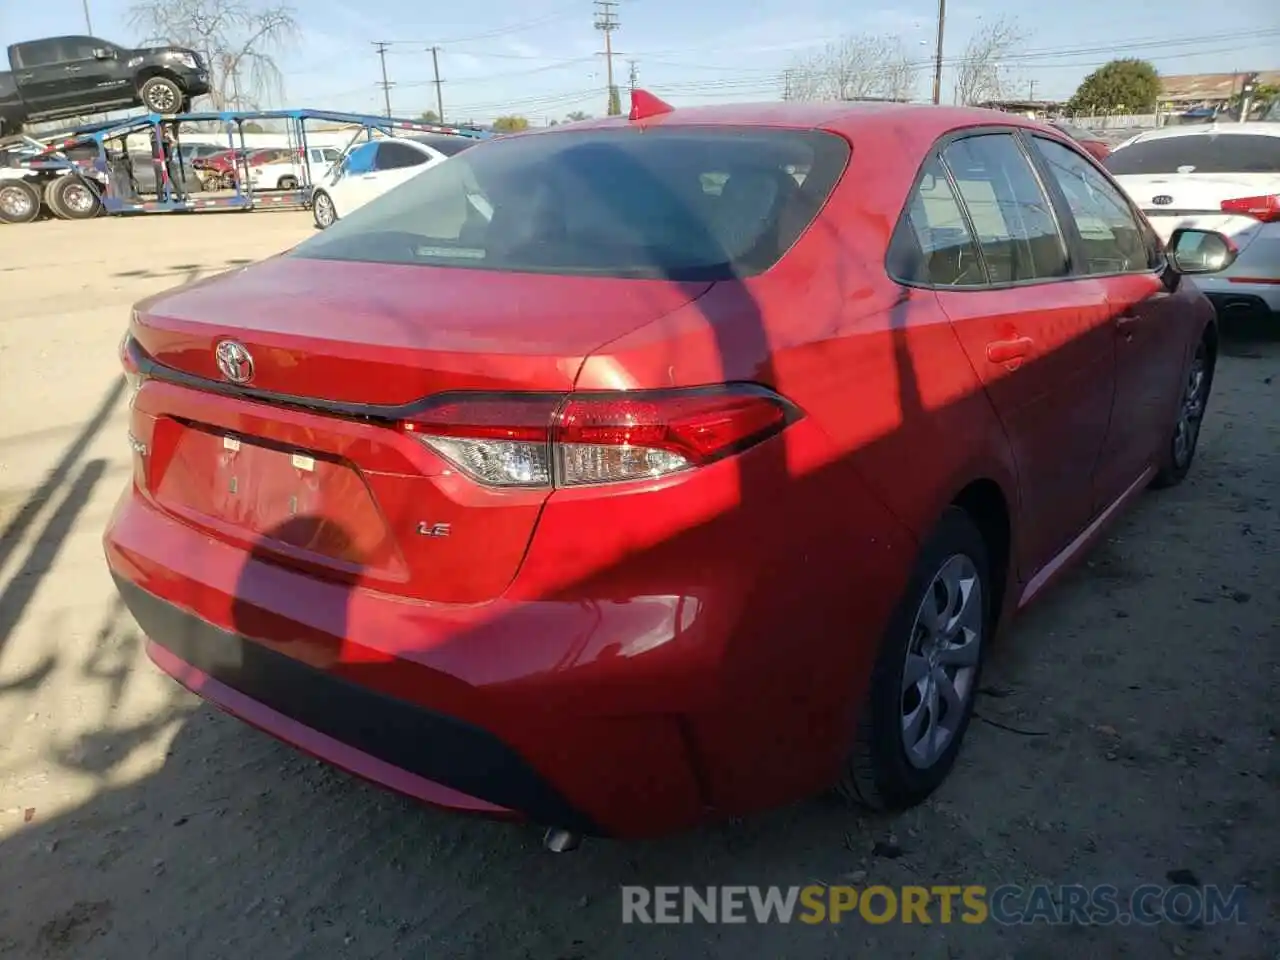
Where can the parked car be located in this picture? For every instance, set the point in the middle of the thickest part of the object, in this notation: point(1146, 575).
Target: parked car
point(289, 172)
point(633, 502)
point(1093, 143)
point(60, 77)
point(224, 169)
point(1223, 177)
point(371, 169)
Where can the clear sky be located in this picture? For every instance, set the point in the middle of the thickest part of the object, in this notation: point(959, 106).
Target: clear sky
point(539, 57)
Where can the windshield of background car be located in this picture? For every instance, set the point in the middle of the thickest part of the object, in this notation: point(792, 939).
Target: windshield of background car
point(677, 203)
point(444, 143)
point(1199, 153)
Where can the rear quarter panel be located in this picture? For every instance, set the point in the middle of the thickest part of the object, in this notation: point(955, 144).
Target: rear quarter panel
point(820, 525)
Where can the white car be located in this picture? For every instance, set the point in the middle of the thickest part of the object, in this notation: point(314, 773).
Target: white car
point(1224, 177)
point(371, 169)
point(291, 174)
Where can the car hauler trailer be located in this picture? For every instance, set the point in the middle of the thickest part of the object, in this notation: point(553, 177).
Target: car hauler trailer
point(104, 176)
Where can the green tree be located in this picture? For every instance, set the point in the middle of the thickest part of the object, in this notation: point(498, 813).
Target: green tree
point(1128, 84)
point(576, 116)
point(251, 127)
point(429, 116)
point(615, 101)
point(510, 124)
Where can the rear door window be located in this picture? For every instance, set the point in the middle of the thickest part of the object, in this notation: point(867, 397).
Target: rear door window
point(933, 244)
point(1112, 237)
point(38, 53)
point(671, 203)
point(1011, 215)
point(1233, 152)
point(397, 156)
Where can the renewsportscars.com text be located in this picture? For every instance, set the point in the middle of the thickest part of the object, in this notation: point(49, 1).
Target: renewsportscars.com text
point(1070, 904)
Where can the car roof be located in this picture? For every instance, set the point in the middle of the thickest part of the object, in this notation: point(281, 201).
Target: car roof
point(1265, 128)
point(920, 121)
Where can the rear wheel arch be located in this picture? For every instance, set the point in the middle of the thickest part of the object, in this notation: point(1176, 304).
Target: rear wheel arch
point(985, 502)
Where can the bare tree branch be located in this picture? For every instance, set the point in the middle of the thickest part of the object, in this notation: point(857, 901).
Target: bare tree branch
point(237, 38)
point(982, 75)
point(854, 68)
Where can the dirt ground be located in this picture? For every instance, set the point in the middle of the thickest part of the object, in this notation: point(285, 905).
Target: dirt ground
point(1131, 730)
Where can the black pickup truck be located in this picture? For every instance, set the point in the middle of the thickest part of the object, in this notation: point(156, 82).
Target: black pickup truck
point(61, 77)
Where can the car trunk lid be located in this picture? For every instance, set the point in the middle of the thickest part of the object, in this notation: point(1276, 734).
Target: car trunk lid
point(1173, 200)
point(306, 462)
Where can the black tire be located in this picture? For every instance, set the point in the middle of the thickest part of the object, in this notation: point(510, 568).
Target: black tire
point(19, 201)
point(879, 774)
point(323, 211)
point(1180, 449)
point(51, 201)
point(73, 198)
point(287, 183)
point(161, 95)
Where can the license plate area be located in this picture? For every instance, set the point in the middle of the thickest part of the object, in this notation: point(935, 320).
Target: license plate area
point(282, 500)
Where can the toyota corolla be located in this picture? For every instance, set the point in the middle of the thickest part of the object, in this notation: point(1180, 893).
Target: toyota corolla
point(662, 467)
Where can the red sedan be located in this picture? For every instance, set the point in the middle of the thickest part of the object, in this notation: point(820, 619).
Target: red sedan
point(657, 468)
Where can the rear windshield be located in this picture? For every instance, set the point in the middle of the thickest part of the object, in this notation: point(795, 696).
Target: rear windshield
point(1203, 153)
point(678, 203)
point(444, 143)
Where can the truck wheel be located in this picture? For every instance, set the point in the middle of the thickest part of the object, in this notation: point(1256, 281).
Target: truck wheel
point(73, 198)
point(287, 183)
point(161, 95)
point(19, 202)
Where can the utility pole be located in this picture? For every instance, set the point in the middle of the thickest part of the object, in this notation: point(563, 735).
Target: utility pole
point(88, 24)
point(786, 84)
point(382, 46)
point(633, 75)
point(435, 66)
point(1031, 90)
point(607, 22)
point(937, 59)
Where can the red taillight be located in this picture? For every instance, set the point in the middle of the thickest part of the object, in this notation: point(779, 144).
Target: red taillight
point(540, 440)
point(1265, 208)
point(132, 373)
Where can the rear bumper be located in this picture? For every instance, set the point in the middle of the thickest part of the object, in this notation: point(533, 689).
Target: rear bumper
point(484, 711)
point(389, 741)
point(1250, 301)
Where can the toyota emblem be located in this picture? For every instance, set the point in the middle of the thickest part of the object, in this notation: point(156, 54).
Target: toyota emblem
point(235, 362)
point(1163, 200)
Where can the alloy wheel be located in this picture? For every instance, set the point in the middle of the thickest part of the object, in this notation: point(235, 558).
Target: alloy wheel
point(324, 210)
point(942, 661)
point(16, 203)
point(1191, 411)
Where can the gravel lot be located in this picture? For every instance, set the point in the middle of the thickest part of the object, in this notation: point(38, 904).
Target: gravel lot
point(1132, 721)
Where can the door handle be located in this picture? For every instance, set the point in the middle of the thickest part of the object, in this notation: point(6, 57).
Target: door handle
point(1126, 320)
point(72, 69)
point(26, 76)
point(1010, 352)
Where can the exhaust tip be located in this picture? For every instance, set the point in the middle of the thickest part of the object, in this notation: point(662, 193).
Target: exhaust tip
point(559, 840)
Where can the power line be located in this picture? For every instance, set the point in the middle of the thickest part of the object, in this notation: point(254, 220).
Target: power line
point(607, 22)
point(381, 46)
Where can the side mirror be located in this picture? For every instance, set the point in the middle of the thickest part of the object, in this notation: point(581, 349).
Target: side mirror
point(103, 53)
point(1193, 251)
